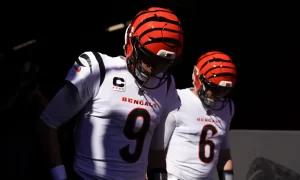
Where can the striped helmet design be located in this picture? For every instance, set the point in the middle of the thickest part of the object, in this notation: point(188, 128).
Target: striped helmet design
point(217, 68)
point(158, 31)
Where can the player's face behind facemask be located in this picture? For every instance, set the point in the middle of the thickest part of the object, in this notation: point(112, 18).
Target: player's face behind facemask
point(151, 65)
point(212, 93)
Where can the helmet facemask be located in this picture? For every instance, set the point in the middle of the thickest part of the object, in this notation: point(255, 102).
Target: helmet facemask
point(211, 94)
point(141, 55)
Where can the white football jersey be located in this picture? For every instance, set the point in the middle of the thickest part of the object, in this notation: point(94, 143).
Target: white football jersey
point(193, 137)
point(114, 132)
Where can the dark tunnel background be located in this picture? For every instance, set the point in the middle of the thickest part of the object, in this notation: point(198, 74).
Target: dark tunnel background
point(264, 45)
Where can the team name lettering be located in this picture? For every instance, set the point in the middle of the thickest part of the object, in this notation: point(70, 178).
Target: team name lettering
point(140, 102)
point(208, 120)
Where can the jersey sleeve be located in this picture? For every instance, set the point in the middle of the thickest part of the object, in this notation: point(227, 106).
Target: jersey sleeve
point(225, 143)
point(86, 73)
point(157, 141)
point(172, 103)
point(170, 125)
point(63, 106)
point(172, 99)
point(163, 132)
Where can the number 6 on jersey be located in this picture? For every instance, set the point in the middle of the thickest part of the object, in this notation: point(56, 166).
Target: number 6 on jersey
point(204, 142)
point(139, 136)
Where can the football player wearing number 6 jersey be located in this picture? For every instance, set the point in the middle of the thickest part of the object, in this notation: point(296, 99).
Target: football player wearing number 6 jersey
point(122, 103)
point(196, 136)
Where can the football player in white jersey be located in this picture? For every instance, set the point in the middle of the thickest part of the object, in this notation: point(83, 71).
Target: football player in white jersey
point(196, 135)
point(122, 103)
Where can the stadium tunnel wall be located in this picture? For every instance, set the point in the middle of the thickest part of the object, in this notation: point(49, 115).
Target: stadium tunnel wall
point(265, 155)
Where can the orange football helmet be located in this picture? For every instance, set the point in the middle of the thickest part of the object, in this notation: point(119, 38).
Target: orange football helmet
point(154, 35)
point(213, 77)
